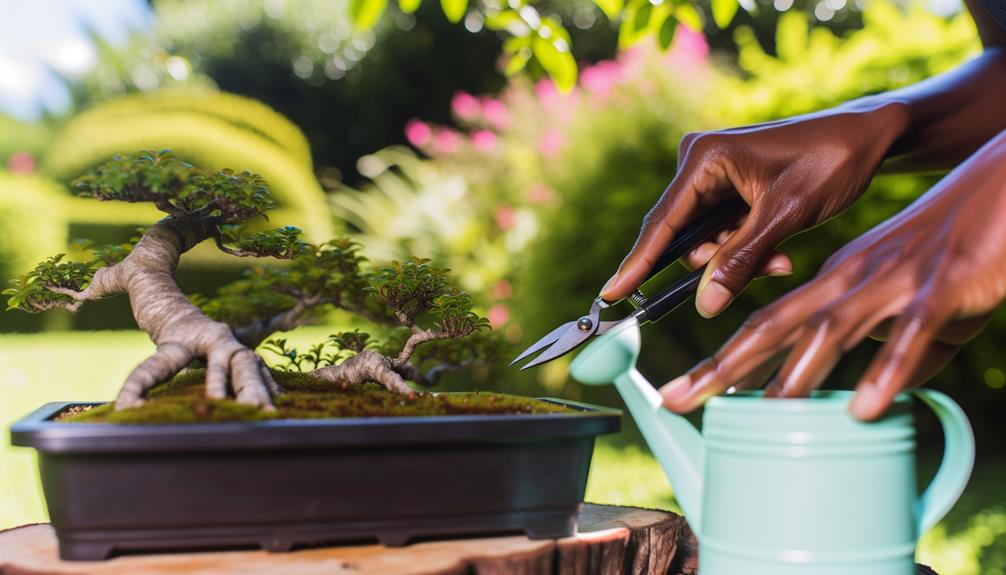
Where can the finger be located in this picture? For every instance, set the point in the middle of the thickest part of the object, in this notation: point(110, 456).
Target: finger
point(955, 333)
point(777, 264)
point(894, 366)
point(828, 334)
point(696, 185)
point(763, 336)
point(738, 261)
point(757, 378)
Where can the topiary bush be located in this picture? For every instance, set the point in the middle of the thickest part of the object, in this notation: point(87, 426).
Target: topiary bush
point(239, 111)
point(213, 130)
point(23, 199)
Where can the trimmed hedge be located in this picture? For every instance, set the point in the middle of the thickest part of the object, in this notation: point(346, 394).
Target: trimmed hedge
point(203, 138)
point(242, 112)
point(33, 226)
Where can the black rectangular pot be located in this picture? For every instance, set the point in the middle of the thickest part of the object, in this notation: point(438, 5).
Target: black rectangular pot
point(283, 483)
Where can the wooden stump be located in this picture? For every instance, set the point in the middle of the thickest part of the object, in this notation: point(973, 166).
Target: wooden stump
point(611, 541)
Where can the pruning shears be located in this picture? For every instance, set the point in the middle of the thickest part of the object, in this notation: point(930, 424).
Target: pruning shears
point(571, 335)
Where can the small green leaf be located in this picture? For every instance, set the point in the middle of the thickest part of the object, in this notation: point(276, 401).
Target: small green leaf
point(507, 21)
point(641, 19)
point(366, 13)
point(555, 58)
point(409, 6)
point(454, 9)
point(689, 16)
point(724, 12)
point(611, 8)
point(518, 61)
point(667, 29)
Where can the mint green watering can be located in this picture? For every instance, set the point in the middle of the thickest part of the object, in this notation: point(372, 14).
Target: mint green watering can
point(791, 486)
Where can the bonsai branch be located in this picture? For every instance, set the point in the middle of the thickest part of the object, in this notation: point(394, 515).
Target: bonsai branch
point(105, 282)
point(419, 336)
point(231, 251)
point(255, 333)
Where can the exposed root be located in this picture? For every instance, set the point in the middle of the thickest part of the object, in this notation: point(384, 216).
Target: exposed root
point(366, 366)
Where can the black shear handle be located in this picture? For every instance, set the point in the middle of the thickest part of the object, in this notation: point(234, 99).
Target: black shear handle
point(698, 231)
point(669, 298)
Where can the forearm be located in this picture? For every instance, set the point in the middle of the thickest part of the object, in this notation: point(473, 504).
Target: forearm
point(943, 120)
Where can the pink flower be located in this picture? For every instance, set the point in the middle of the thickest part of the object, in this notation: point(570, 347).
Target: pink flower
point(502, 289)
point(690, 49)
point(495, 113)
point(465, 106)
point(506, 217)
point(498, 315)
point(418, 133)
point(21, 163)
point(540, 194)
point(601, 78)
point(550, 142)
point(446, 141)
point(547, 92)
point(484, 141)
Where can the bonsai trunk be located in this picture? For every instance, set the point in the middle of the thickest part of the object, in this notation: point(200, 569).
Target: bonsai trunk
point(369, 365)
point(180, 330)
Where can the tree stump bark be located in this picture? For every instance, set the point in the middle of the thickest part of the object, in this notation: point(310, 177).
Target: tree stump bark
point(611, 541)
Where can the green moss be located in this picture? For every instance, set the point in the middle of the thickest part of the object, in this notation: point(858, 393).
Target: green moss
point(182, 400)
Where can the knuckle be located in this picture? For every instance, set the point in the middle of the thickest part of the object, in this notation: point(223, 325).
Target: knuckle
point(737, 268)
point(761, 320)
point(918, 315)
point(826, 318)
point(704, 143)
point(686, 142)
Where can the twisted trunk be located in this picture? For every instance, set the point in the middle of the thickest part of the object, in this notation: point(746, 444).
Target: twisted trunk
point(179, 329)
point(391, 373)
point(368, 365)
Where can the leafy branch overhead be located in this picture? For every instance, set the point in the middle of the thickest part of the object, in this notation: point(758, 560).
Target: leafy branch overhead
point(541, 39)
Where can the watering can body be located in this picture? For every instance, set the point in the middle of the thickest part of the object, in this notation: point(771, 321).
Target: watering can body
point(791, 486)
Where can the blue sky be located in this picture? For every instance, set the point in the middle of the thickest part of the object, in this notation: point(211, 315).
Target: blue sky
point(39, 37)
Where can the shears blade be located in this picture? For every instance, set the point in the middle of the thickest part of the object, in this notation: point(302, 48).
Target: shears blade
point(546, 341)
point(569, 340)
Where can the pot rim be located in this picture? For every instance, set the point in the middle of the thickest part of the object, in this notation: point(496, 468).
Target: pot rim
point(37, 430)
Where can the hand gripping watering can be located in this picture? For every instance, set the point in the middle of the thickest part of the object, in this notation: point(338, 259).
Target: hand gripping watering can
point(791, 486)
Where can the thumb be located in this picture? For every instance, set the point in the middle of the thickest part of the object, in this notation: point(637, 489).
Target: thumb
point(738, 261)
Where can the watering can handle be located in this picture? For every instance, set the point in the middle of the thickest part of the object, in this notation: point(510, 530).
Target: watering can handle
point(958, 460)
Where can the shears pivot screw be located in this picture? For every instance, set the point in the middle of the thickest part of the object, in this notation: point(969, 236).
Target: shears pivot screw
point(584, 324)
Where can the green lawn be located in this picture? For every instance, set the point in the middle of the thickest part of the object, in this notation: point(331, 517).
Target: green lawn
point(35, 369)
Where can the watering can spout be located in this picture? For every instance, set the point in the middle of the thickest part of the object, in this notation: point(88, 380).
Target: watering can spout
point(675, 442)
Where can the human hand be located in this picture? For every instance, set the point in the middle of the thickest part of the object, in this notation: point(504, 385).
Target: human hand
point(794, 174)
point(926, 280)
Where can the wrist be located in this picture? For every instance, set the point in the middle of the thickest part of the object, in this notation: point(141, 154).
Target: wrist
point(888, 119)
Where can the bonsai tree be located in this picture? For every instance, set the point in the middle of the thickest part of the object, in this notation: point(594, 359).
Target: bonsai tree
point(413, 296)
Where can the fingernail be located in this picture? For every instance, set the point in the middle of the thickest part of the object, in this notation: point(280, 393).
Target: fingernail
point(713, 299)
point(608, 284)
point(675, 388)
point(863, 404)
point(773, 389)
point(780, 265)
